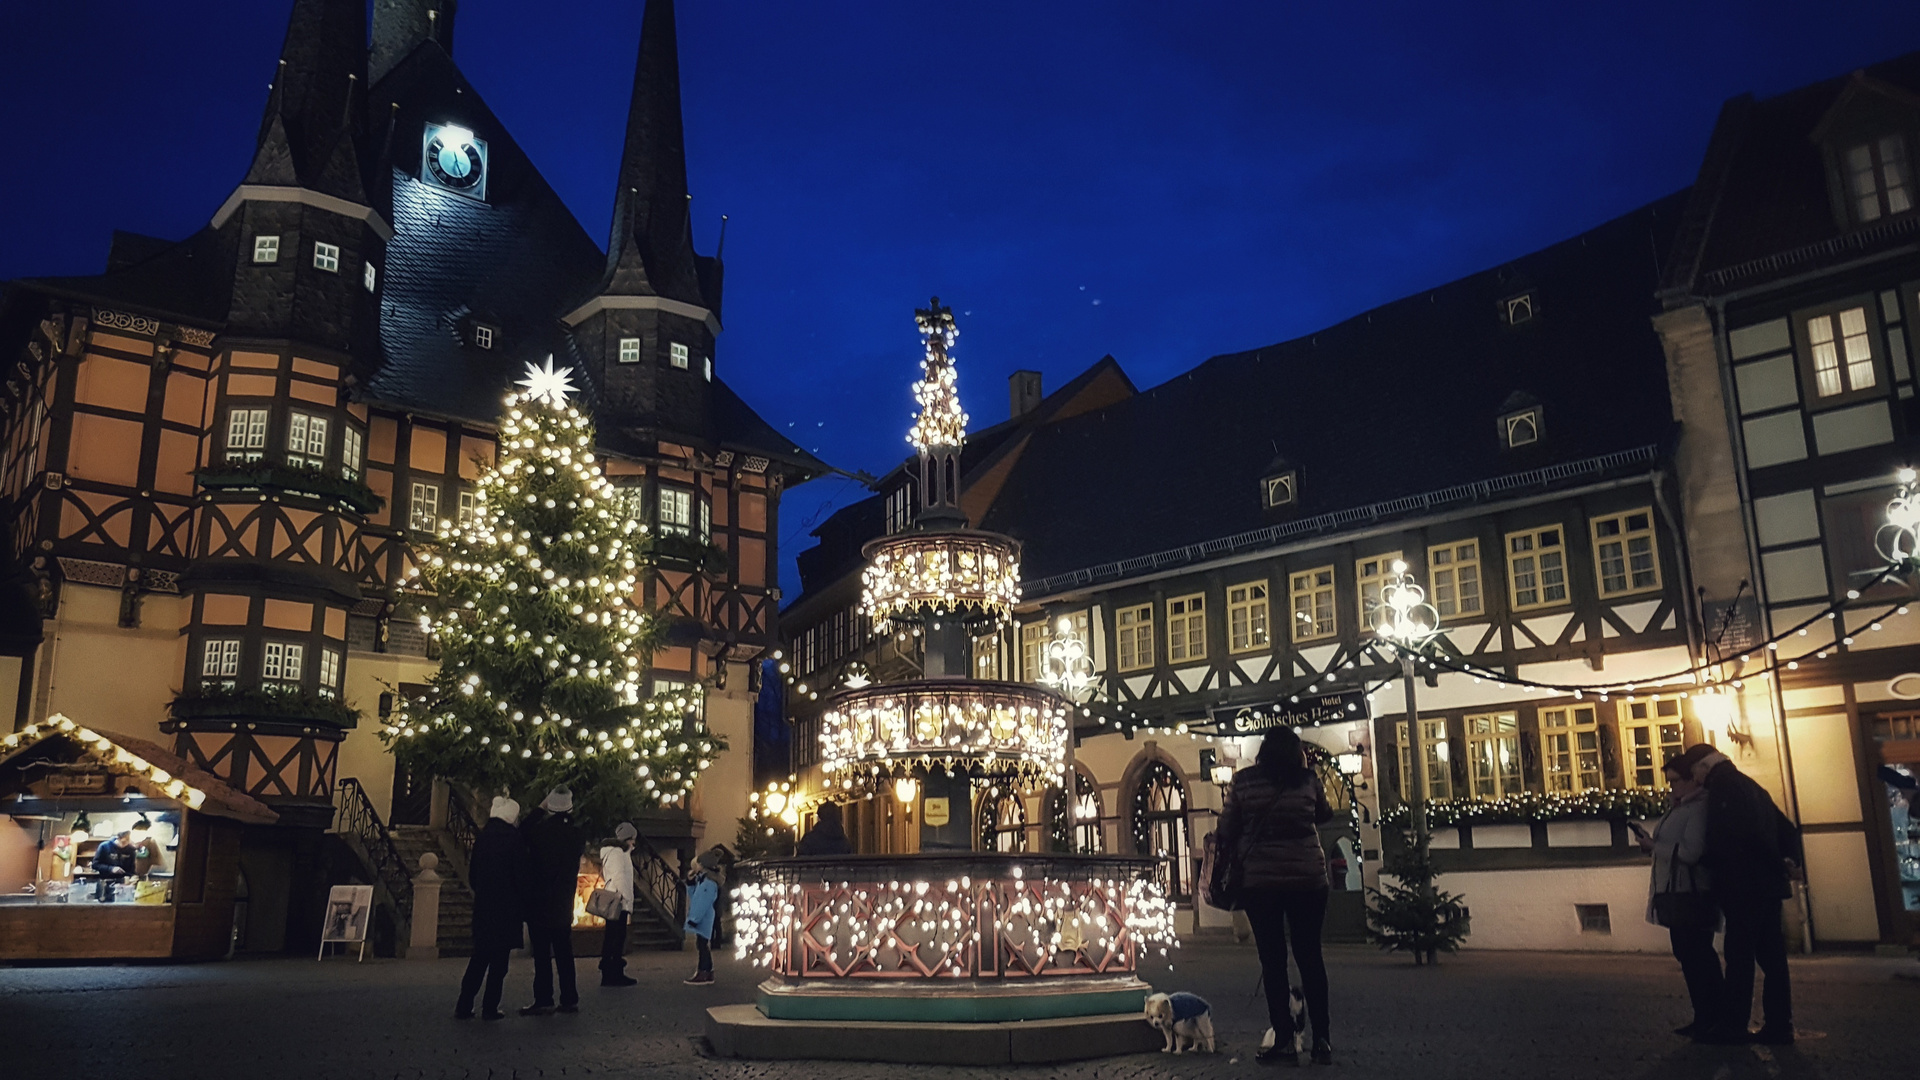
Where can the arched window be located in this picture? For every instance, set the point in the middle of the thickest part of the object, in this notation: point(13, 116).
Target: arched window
point(1088, 837)
point(1160, 827)
point(1059, 820)
point(1003, 822)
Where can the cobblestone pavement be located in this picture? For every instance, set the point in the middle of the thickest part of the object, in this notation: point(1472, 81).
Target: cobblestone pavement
point(1479, 1016)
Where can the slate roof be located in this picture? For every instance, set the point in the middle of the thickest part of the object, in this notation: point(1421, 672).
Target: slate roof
point(1761, 203)
point(1397, 401)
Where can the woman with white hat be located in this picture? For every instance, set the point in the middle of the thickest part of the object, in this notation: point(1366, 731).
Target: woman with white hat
point(616, 873)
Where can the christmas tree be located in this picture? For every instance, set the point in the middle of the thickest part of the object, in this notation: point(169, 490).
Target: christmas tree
point(542, 650)
point(1410, 914)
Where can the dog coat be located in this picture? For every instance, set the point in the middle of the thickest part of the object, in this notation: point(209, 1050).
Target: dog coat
point(1186, 1006)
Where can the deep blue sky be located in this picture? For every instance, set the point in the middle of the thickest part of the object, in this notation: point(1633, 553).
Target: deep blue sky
point(1160, 181)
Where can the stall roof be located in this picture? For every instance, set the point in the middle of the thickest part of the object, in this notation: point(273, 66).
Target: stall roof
point(165, 772)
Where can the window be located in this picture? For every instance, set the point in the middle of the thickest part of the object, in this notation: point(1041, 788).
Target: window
point(677, 355)
point(1878, 180)
point(1570, 749)
point(1247, 616)
point(1003, 822)
point(326, 257)
point(1087, 838)
point(1650, 736)
point(1035, 637)
point(1134, 628)
point(1623, 553)
point(1160, 828)
point(1279, 490)
point(306, 440)
point(1455, 569)
point(266, 249)
point(468, 501)
point(706, 521)
point(1537, 568)
point(706, 365)
point(1493, 755)
point(220, 659)
point(1594, 918)
point(1433, 747)
point(351, 443)
point(1517, 309)
point(676, 511)
point(1033, 650)
point(246, 434)
point(367, 276)
point(1521, 428)
point(1370, 576)
point(329, 673)
point(629, 350)
point(1842, 354)
point(1312, 593)
point(899, 508)
point(483, 336)
point(424, 513)
point(281, 662)
point(1187, 628)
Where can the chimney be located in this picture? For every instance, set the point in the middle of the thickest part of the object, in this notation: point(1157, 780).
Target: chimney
point(1023, 393)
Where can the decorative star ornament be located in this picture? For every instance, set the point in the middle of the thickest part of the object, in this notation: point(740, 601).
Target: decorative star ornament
point(548, 385)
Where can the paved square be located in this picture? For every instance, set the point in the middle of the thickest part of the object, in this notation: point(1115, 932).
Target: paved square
point(1478, 1016)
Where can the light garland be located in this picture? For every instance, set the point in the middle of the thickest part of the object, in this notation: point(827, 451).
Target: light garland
point(941, 422)
point(910, 576)
point(1069, 665)
point(984, 728)
point(1899, 539)
point(109, 752)
point(1526, 807)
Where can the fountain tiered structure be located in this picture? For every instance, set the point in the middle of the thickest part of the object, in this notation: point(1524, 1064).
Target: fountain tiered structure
point(949, 954)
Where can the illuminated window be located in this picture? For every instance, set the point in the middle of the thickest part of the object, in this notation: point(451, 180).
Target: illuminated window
point(1370, 576)
point(676, 511)
point(1537, 568)
point(367, 276)
point(1033, 650)
point(468, 501)
point(1879, 181)
point(1003, 822)
point(266, 249)
point(1134, 628)
point(1434, 748)
point(1842, 353)
point(424, 511)
point(1087, 838)
point(351, 443)
point(1160, 828)
point(1623, 553)
point(220, 659)
point(1312, 593)
point(281, 662)
point(1570, 749)
point(306, 440)
point(1650, 736)
point(326, 257)
point(1493, 755)
point(677, 355)
point(706, 521)
point(1187, 628)
point(1247, 617)
point(329, 673)
point(1455, 569)
point(246, 434)
point(629, 350)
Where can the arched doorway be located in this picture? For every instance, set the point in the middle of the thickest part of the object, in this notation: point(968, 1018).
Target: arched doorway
point(1088, 836)
point(1003, 822)
point(1160, 829)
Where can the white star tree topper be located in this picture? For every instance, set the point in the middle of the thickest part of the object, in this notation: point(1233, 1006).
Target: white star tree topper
point(546, 384)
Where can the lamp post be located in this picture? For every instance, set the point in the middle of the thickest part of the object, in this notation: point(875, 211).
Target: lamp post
point(1409, 622)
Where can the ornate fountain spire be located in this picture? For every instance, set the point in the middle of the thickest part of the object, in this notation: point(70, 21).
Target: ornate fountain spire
point(941, 429)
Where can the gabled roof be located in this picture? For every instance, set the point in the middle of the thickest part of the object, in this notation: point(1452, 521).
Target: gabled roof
point(1397, 401)
point(156, 772)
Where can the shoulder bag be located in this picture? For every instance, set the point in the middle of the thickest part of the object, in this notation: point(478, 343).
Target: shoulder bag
point(1225, 872)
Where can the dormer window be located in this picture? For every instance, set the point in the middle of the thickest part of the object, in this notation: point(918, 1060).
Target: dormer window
point(483, 336)
point(1879, 180)
point(326, 257)
point(1517, 309)
point(629, 350)
point(1522, 429)
point(266, 249)
point(1279, 491)
point(677, 355)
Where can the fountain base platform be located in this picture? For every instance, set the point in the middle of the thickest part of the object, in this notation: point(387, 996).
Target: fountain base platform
point(742, 1031)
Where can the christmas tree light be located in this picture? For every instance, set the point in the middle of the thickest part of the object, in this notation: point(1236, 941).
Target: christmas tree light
point(543, 650)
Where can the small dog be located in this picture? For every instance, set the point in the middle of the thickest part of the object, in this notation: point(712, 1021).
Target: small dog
point(1297, 1012)
point(1185, 1019)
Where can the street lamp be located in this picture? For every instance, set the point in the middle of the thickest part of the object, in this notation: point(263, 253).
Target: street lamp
point(1408, 622)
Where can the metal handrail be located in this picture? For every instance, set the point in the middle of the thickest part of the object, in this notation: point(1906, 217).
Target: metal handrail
point(658, 884)
point(460, 824)
point(356, 818)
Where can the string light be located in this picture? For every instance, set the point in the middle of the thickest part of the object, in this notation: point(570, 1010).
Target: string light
point(107, 751)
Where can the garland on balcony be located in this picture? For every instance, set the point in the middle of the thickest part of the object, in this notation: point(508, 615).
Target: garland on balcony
point(257, 703)
point(1527, 807)
point(295, 479)
point(673, 551)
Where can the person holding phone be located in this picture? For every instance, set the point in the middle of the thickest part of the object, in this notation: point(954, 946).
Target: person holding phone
point(1680, 894)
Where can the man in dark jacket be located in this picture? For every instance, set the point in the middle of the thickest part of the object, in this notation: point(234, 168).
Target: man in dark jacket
point(554, 844)
point(497, 873)
point(113, 860)
point(1752, 851)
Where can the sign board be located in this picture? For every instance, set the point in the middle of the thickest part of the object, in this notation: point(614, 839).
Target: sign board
point(349, 910)
point(1310, 709)
point(933, 812)
point(77, 783)
point(1734, 627)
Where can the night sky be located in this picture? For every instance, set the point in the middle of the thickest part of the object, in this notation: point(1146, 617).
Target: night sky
point(1159, 181)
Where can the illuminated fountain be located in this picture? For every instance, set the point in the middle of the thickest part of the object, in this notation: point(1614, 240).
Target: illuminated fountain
point(1045, 943)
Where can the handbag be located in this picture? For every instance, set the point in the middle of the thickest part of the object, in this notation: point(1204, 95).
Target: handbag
point(1225, 872)
point(1688, 909)
point(606, 904)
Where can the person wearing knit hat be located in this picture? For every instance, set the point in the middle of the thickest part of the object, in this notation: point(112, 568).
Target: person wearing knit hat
point(616, 873)
point(703, 893)
point(497, 874)
point(558, 801)
point(1754, 854)
point(554, 847)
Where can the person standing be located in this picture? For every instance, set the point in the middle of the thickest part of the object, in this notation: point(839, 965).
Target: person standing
point(1754, 853)
point(703, 892)
point(723, 906)
point(1680, 893)
point(1270, 824)
point(496, 872)
point(554, 845)
point(113, 862)
point(616, 872)
point(828, 835)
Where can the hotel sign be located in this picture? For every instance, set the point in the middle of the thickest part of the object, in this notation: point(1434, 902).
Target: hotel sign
point(1305, 711)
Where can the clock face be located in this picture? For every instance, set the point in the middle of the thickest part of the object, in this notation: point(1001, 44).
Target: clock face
point(453, 160)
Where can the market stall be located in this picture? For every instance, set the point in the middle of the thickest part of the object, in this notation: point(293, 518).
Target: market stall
point(112, 848)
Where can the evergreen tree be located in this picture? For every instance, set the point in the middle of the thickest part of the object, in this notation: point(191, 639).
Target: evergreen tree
point(542, 649)
point(1410, 914)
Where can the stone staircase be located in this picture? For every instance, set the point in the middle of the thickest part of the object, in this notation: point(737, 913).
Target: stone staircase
point(456, 900)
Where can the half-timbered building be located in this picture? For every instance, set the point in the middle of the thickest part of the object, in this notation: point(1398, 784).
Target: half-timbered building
point(219, 452)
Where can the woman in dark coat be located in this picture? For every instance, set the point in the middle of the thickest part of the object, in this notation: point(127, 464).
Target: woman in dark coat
point(1270, 825)
point(497, 872)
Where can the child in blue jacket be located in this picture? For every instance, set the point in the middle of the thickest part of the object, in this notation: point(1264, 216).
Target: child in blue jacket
point(703, 892)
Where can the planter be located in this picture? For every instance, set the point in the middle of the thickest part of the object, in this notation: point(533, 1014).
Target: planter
point(1444, 838)
point(1568, 834)
point(290, 480)
point(1502, 836)
point(263, 705)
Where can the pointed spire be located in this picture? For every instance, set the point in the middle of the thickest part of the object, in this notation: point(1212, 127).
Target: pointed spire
point(310, 136)
point(651, 250)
